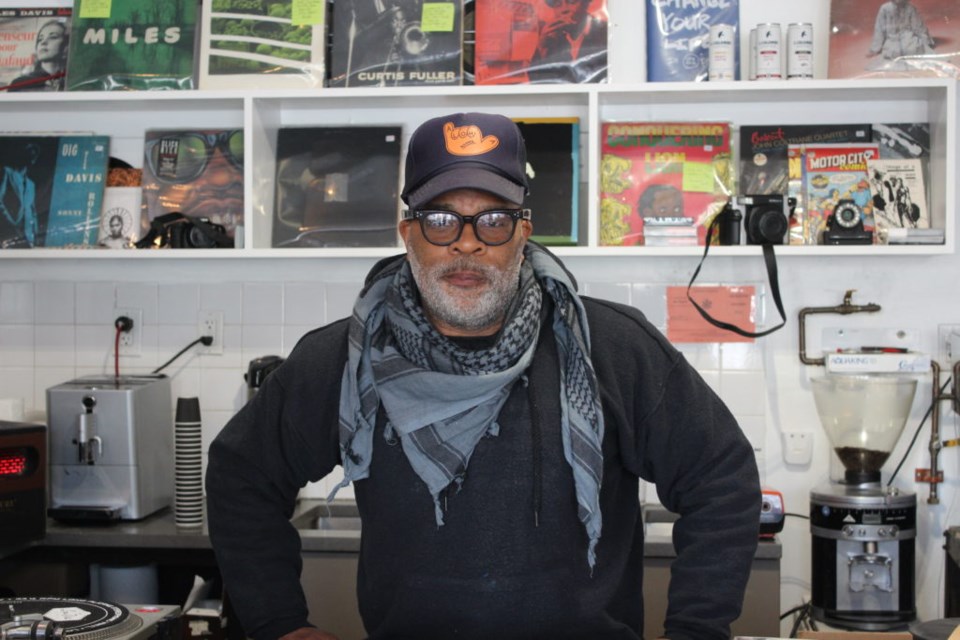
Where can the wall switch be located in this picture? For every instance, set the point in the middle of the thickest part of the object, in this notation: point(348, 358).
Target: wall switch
point(798, 447)
point(130, 341)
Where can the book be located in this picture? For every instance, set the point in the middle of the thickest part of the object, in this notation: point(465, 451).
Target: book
point(78, 185)
point(337, 186)
point(540, 41)
point(879, 39)
point(553, 160)
point(33, 47)
point(833, 173)
point(261, 45)
point(899, 195)
point(674, 169)
point(377, 44)
point(51, 190)
point(764, 166)
point(120, 220)
point(135, 44)
point(678, 48)
point(196, 172)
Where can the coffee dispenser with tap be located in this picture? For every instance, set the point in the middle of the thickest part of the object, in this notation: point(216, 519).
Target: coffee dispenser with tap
point(111, 447)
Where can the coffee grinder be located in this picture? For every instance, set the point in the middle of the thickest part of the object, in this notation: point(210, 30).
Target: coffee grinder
point(863, 534)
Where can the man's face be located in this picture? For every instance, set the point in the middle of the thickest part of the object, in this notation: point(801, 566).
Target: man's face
point(666, 202)
point(116, 226)
point(465, 287)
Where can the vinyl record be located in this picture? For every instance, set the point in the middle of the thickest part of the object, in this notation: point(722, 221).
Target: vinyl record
point(80, 619)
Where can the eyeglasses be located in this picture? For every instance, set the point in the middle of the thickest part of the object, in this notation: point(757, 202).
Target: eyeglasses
point(183, 157)
point(443, 228)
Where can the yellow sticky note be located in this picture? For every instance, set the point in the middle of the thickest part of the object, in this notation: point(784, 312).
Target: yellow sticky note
point(437, 16)
point(95, 8)
point(306, 12)
point(698, 176)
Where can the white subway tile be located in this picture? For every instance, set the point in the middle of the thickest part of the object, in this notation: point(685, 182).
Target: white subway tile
point(742, 356)
point(262, 303)
point(651, 299)
point(139, 295)
point(340, 299)
point(16, 346)
point(226, 297)
point(292, 335)
point(615, 292)
point(54, 303)
point(222, 389)
point(178, 304)
point(304, 303)
point(261, 340)
point(16, 303)
point(54, 345)
point(96, 303)
point(744, 392)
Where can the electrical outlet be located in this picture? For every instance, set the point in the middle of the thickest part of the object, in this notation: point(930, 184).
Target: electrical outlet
point(798, 447)
point(130, 341)
point(948, 344)
point(211, 324)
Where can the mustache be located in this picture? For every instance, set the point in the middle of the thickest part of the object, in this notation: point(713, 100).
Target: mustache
point(466, 264)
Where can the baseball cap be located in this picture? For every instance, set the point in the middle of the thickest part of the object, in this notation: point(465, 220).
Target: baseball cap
point(482, 151)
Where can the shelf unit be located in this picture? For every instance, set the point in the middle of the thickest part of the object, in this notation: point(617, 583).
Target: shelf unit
point(125, 116)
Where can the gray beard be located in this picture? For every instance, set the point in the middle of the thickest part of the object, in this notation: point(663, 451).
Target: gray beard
point(470, 311)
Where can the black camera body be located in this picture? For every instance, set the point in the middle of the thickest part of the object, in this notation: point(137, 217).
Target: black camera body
point(177, 231)
point(766, 217)
point(845, 225)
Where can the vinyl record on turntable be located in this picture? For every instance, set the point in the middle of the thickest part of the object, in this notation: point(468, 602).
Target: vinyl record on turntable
point(84, 619)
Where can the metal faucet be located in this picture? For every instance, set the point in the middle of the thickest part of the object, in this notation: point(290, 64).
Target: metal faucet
point(90, 446)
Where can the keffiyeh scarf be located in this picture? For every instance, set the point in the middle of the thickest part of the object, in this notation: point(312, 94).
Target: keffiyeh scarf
point(441, 399)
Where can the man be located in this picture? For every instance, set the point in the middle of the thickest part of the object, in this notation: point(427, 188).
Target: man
point(572, 44)
point(899, 32)
point(494, 425)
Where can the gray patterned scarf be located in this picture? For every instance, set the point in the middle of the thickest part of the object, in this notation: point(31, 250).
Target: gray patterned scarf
point(440, 399)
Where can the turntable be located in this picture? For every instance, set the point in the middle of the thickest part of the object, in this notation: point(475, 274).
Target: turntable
point(77, 619)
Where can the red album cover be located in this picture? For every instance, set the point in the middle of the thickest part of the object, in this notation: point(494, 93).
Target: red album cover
point(894, 37)
point(668, 173)
point(540, 41)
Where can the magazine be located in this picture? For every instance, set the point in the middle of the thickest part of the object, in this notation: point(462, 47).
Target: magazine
point(678, 34)
point(540, 41)
point(409, 42)
point(337, 186)
point(33, 47)
point(262, 45)
point(51, 190)
point(835, 173)
point(553, 158)
point(899, 194)
point(879, 38)
point(135, 44)
point(679, 169)
point(194, 172)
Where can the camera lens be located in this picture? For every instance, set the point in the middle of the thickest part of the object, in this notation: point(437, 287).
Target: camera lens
point(198, 239)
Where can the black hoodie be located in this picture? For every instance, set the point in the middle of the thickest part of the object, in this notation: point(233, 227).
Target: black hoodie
point(491, 571)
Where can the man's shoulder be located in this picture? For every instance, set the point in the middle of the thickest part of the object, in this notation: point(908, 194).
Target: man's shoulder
point(326, 344)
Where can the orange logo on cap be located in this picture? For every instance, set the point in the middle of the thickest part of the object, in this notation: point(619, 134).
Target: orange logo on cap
point(468, 140)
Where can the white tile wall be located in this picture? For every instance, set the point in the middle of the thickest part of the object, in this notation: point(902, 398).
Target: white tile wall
point(53, 331)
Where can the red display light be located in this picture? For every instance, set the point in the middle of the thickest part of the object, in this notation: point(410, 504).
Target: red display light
point(13, 463)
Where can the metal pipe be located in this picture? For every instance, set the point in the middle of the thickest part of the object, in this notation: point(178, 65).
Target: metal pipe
point(935, 444)
point(843, 309)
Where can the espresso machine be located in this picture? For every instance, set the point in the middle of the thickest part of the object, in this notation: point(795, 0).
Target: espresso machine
point(863, 534)
point(111, 447)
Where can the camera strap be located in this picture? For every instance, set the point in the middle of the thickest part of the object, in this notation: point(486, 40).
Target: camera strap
point(771, 263)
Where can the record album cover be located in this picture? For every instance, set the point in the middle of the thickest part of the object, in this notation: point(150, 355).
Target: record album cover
point(894, 38)
point(678, 35)
point(899, 193)
point(337, 186)
point(134, 44)
point(661, 170)
point(833, 173)
point(33, 47)
point(540, 41)
point(261, 45)
point(196, 172)
point(51, 190)
point(553, 159)
point(391, 43)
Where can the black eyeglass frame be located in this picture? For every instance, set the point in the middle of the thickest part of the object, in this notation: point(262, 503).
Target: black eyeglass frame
point(421, 214)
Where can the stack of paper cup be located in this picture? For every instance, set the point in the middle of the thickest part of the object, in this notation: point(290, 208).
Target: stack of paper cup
point(188, 496)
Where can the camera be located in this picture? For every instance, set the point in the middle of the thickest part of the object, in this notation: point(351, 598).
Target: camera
point(845, 225)
point(728, 225)
point(765, 218)
point(177, 231)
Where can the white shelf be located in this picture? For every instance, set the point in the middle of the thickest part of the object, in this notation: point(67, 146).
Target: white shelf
point(125, 116)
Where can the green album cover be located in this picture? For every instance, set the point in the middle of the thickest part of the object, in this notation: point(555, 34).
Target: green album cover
point(134, 44)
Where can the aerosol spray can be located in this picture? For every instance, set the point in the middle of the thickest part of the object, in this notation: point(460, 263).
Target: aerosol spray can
point(800, 51)
point(722, 55)
point(752, 58)
point(769, 47)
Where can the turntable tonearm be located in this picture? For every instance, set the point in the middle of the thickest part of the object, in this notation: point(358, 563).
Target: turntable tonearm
point(76, 619)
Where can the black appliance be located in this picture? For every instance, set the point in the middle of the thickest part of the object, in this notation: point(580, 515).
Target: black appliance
point(23, 482)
